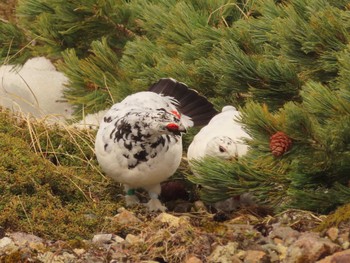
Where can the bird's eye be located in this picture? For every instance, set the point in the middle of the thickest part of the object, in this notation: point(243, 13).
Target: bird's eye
point(222, 149)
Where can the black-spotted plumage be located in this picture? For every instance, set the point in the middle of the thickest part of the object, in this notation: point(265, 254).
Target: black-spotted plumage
point(139, 140)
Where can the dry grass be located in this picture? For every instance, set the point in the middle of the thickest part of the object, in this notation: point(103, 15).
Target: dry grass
point(7, 9)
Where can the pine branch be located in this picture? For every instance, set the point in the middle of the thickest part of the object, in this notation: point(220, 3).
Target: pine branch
point(92, 80)
point(61, 25)
point(15, 48)
point(221, 179)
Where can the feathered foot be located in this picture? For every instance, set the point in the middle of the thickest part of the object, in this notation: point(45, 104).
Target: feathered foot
point(155, 205)
point(130, 198)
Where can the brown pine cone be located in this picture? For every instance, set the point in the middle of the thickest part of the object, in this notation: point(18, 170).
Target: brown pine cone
point(280, 143)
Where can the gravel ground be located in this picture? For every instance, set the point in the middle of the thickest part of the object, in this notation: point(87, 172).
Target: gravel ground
point(192, 237)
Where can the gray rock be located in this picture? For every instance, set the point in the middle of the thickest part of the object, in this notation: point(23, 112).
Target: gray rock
point(339, 257)
point(7, 246)
point(225, 254)
point(309, 248)
point(285, 233)
point(102, 238)
point(5, 242)
point(126, 217)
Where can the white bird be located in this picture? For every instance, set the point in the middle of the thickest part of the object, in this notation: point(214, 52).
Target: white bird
point(35, 89)
point(139, 142)
point(223, 137)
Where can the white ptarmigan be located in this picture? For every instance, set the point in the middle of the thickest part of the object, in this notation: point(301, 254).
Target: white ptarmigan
point(139, 141)
point(221, 138)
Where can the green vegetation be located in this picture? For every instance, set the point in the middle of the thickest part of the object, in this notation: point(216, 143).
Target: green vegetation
point(41, 195)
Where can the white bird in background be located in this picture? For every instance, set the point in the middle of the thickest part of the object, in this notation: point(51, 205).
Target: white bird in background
point(35, 89)
point(223, 137)
point(139, 141)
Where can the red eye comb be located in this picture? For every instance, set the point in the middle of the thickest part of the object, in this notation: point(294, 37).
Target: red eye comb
point(176, 113)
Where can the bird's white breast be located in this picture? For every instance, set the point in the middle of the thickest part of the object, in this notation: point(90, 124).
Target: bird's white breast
point(137, 163)
point(221, 125)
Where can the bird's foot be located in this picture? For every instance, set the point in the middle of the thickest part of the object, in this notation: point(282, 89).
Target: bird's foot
point(155, 205)
point(131, 200)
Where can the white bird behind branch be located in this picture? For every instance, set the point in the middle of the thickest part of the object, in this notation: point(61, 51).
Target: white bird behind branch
point(223, 137)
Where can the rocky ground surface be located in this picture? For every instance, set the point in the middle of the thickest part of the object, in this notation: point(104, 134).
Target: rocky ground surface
point(192, 237)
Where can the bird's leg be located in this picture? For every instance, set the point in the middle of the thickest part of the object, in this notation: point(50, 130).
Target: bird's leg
point(130, 197)
point(154, 204)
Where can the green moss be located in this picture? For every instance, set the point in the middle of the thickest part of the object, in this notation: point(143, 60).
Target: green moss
point(341, 215)
point(55, 201)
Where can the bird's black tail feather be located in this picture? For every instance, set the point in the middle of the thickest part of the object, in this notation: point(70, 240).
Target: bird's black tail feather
point(190, 102)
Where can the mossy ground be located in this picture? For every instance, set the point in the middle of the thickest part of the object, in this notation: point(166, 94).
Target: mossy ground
point(50, 184)
point(339, 218)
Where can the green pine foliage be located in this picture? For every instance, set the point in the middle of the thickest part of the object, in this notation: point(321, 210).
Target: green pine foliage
point(60, 25)
point(228, 50)
point(14, 46)
point(231, 50)
point(92, 77)
point(312, 175)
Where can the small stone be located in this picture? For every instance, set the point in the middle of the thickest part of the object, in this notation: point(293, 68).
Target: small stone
point(102, 238)
point(6, 241)
point(121, 209)
point(7, 246)
point(345, 245)
point(28, 240)
point(309, 248)
point(126, 218)
point(79, 251)
point(172, 221)
point(332, 233)
point(225, 254)
point(22, 239)
point(193, 259)
point(132, 239)
point(287, 234)
point(338, 257)
point(118, 239)
point(255, 256)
